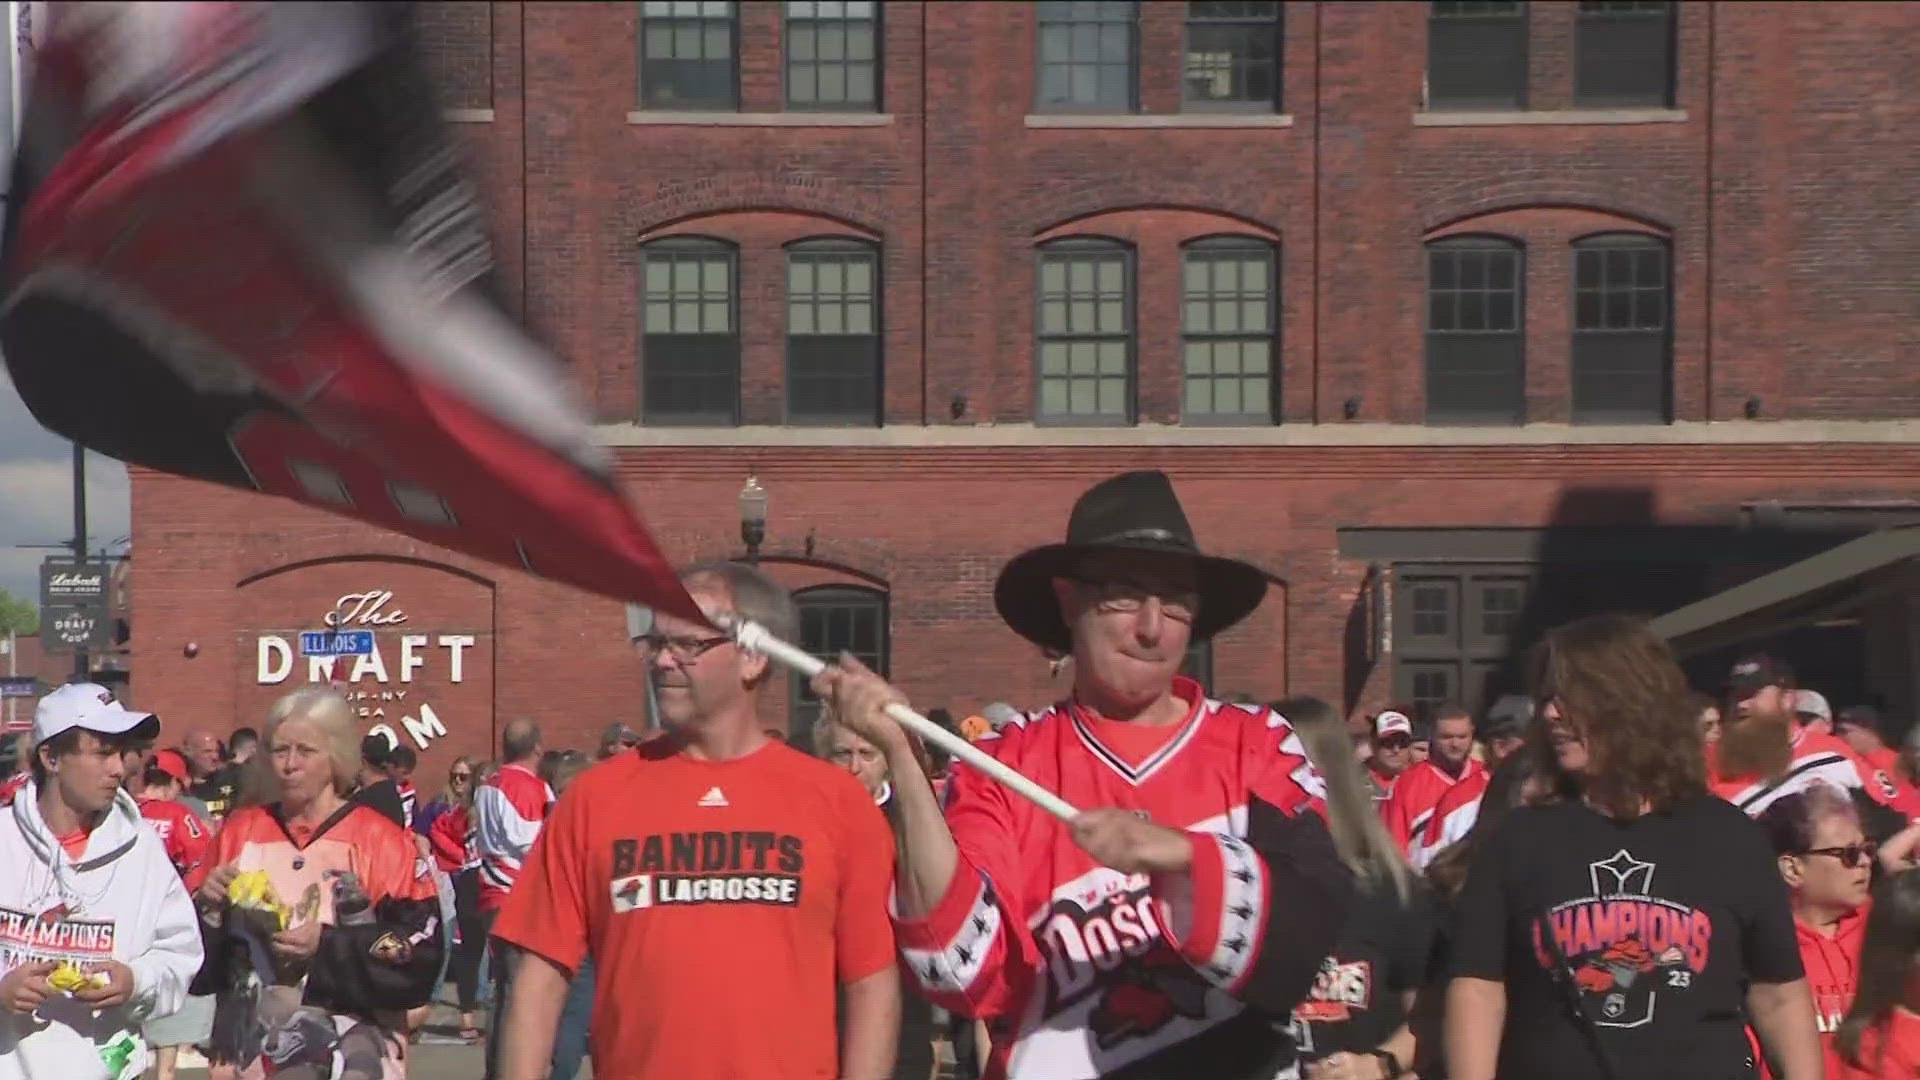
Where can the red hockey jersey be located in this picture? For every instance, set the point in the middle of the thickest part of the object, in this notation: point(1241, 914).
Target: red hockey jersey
point(187, 838)
point(1453, 816)
point(1816, 759)
point(1082, 971)
point(1415, 794)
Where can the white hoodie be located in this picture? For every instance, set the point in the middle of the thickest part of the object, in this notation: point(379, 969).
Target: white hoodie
point(123, 901)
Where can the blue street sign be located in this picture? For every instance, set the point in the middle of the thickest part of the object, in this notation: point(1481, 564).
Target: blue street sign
point(336, 643)
point(19, 686)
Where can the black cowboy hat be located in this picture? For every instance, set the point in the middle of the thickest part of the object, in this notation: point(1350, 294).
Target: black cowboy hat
point(1135, 511)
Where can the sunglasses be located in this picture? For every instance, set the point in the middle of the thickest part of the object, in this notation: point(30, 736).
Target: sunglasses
point(1395, 742)
point(1851, 855)
point(460, 776)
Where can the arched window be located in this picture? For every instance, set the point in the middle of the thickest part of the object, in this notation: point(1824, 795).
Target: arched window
point(836, 619)
point(833, 332)
point(1622, 350)
point(1085, 333)
point(690, 341)
point(1476, 371)
point(1228, 326)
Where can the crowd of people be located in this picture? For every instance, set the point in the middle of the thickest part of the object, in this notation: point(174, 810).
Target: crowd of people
point(1609, 876)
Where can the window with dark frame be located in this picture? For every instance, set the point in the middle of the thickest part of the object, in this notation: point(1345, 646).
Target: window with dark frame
point(687, 55)
point(1454, 626)
point(1227, 323)
point(1623, 55)
point(1622, 345)
point(1088, 53)
point(690, 344)
point(1476, 372)
point(836, 619)
point(833, 332)
point(1233, 56)
point(833, 55)
point(1476, 55)
point(1085, 323)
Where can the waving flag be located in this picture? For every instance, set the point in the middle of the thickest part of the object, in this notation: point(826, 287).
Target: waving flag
point(241, 247)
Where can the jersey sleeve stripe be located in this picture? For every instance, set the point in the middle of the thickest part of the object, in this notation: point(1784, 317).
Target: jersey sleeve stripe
point(952, 965)
point(1224, 912)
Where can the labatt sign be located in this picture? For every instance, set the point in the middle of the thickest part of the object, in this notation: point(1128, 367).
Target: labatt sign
point(277, 658)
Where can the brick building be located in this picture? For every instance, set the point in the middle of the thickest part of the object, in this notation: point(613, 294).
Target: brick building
point(1460, 318)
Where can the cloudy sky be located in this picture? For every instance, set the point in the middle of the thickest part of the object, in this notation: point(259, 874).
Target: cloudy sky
point(36, 495)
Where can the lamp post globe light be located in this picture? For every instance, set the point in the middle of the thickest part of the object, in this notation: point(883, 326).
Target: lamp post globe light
point(753, 516)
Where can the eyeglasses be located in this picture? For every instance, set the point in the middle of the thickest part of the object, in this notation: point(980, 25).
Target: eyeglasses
point(1851, 855)
point(684, 649)
point(1122, 596)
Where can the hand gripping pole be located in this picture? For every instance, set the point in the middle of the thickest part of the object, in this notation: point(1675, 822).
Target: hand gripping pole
point(753, 637)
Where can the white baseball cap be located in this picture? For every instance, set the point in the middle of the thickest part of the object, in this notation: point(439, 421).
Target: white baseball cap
point(1391, 723)
point(1813, 703)
point(91, 706)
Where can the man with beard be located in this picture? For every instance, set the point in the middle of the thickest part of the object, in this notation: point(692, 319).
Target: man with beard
point(1764, 753)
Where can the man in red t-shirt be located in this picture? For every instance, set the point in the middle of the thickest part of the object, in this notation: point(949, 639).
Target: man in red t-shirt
point(1418, 791)
point(723, 884)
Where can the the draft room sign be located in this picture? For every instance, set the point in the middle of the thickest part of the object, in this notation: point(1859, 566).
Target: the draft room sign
point(428, 679)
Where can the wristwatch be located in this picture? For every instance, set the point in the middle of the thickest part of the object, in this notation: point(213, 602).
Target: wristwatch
point(1385, 1057)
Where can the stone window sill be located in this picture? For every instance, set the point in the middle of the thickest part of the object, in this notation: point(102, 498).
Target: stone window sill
point(1167, 120)
point(740, 119)
point(468, 116)
point(1493, 118)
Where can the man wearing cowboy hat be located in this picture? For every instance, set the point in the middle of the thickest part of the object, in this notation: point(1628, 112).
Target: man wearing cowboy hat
point(1187, 909)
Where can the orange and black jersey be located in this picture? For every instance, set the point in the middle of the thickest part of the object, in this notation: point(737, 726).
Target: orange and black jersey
point(362, 877)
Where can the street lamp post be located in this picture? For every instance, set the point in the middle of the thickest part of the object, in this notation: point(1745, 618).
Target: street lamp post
point(753, 516)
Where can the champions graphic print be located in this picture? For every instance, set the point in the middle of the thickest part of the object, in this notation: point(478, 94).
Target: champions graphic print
point(1622, 946)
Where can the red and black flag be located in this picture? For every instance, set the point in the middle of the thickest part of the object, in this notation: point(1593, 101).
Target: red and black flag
point(242, 247)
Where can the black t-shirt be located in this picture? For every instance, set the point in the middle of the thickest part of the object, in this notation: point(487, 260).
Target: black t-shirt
point(384, 796)
point(217, 790)
point(1383, 952)
point(1662, 920)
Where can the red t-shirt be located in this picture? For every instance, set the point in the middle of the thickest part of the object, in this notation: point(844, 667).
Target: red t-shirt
point(721, 902)
point(1891, 1050)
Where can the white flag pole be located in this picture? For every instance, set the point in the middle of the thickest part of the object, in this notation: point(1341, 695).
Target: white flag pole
point(755, 638)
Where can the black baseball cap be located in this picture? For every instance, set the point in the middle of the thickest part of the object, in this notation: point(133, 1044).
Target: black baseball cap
point(1754, 673)
point(376, 749)
point(1508, 718)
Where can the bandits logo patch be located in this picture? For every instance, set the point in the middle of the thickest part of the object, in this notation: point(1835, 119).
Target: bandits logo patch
point(1622, 945)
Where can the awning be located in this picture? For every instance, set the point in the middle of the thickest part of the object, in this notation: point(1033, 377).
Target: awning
point(1828, 584)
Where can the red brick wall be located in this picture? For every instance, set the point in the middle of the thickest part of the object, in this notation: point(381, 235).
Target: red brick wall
point(932, 526)
point(1784, 192)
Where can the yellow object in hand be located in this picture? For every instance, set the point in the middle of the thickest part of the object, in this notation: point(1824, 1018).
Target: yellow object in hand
point(68, 978)
point(253, 889)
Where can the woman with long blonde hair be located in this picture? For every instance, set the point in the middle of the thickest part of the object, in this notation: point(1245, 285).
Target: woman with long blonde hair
point(1357, 1022)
